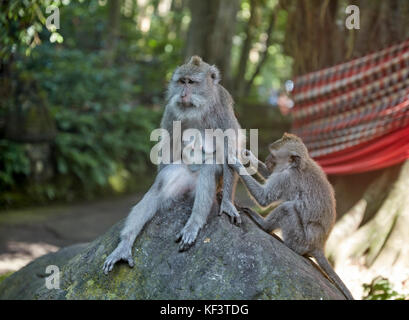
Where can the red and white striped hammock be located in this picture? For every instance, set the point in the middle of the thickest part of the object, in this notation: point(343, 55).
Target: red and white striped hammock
point(354, 117)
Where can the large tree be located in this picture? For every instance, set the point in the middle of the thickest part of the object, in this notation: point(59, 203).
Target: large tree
point(211, 32)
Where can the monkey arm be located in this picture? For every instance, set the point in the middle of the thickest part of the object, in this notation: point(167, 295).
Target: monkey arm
point(259, 192)
point(167, 124)
point(263, 194)
point(229, 187)
point(262, 170)
point(230, 179)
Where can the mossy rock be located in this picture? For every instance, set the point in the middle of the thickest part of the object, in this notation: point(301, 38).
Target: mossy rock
point(226, 262)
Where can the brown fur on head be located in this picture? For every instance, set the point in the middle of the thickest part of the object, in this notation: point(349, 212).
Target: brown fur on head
point(289, 149)
point(195, 60)
point(197, 67)
point(286, 138)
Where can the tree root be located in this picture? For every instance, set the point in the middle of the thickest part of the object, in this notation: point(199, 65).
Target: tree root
point(383, 213)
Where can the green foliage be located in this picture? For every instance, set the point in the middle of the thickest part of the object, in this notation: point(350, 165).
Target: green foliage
point(277, 67)
point(14, 164)
point(20, 22)
point(5, 275)
point(381, 289)
point(92, 147)
point(103, 124)
point(103, 85)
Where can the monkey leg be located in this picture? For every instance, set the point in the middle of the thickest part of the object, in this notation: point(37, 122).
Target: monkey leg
point(172, 181)
point(230, 179)
point(204, 196)
point(286, 218)
point(290, 223)
point(259, 220)
point(137, 218)
point(255, 217)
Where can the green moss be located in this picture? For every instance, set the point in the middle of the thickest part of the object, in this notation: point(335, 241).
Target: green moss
point(5, 275)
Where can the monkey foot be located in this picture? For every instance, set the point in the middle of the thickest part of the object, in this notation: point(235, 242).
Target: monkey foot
point(187, 237)
point(229, 209)
point(121, 252)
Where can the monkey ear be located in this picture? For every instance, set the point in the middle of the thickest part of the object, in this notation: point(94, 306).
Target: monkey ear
point(215, 74)
point(296, 161)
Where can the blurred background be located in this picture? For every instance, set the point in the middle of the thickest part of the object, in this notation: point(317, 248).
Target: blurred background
point(78, 102)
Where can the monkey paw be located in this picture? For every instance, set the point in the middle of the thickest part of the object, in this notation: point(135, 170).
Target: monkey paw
point(247, 154)
point(229, 209)
point(187, 236)
point(122, 252)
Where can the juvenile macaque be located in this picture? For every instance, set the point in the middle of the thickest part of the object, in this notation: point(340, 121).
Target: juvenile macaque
point(306, 214)
point(198, 101)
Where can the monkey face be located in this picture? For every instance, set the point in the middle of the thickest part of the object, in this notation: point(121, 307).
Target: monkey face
point(193, 84)
point(188, 87)
point(287, 153)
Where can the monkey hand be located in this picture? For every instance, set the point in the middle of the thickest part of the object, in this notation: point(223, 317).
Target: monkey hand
point(247, 154)
point(228, 208)
point(187, 236)
point(122, 252)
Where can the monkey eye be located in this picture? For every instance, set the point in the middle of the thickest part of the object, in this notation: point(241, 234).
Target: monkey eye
point(186, 81)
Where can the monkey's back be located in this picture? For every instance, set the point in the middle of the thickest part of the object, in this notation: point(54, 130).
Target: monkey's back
point(318, 198)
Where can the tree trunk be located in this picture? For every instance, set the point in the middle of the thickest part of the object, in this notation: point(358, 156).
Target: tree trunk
point(245, 50)
point(264, 54)
point(114, 15)
point(210, 33)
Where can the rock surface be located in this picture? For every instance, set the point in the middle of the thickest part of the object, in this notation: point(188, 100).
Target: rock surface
point(227, 262)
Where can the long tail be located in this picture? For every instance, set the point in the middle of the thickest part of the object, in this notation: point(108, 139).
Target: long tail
point(326, 266)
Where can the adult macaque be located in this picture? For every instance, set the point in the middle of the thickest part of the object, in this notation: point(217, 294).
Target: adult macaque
point(198, 101)
point(306, 214)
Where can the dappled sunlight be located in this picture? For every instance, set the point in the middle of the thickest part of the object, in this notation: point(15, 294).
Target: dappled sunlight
point(22, 253)
point(355, 275)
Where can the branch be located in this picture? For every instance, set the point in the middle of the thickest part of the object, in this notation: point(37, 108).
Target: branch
point(264, 56)
point(244, 55)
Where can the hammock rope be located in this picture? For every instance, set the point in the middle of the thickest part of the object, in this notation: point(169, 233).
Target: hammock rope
point(354, 117)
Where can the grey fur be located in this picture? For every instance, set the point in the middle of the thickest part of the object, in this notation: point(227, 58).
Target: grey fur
point(306, 214)
point(195, 98)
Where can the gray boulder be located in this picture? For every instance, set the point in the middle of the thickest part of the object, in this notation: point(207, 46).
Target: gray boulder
point(226, 262)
